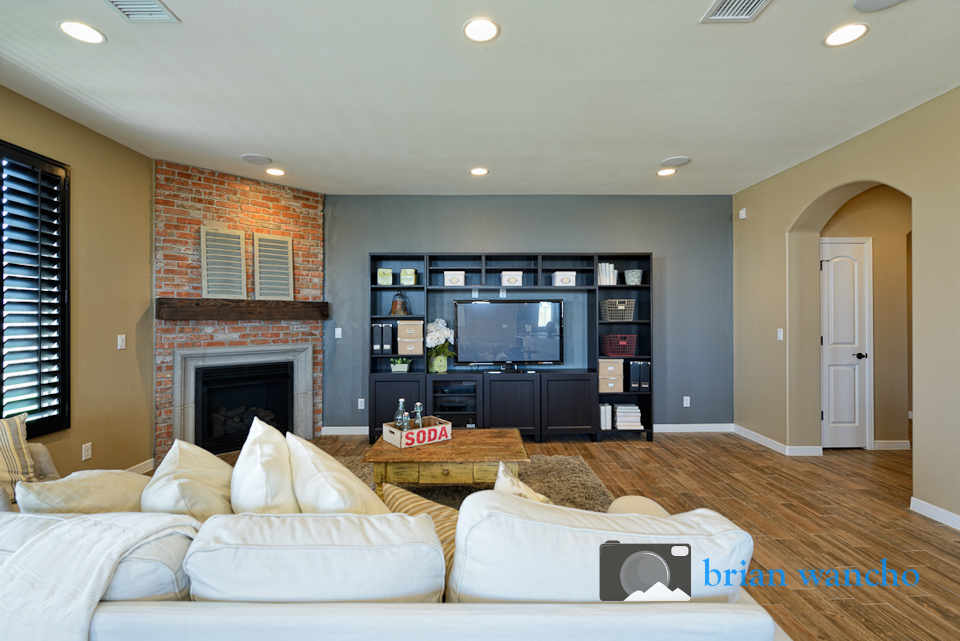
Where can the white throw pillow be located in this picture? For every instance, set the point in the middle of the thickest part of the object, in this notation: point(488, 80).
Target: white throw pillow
point(190, 480)
point(87, 492)
point(316, 558)
point(16, 464)
point(261, 481)
point(324, 486)
point(508, 482)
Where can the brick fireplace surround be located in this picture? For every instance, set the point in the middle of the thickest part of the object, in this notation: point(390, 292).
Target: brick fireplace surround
point(188, 197)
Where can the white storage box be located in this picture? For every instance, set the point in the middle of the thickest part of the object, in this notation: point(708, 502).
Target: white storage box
point(564, 279)
point(453, 279)
point(511, 279)
point(434, 430)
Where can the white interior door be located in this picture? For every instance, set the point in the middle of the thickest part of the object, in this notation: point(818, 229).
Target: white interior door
point(846, 329)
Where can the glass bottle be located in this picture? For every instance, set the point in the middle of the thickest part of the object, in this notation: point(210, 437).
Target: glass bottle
point(418, 415)
point(398, 417)
point(406, 421)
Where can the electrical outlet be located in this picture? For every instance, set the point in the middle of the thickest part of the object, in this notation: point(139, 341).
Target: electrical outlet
point(686, 401)
point(86, 453)
point(779, 333)
point(338, 332)
point(121, 341)
point(361, 404)
point(743, 213)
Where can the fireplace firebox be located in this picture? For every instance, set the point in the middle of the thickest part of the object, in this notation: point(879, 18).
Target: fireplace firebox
point(228, 398)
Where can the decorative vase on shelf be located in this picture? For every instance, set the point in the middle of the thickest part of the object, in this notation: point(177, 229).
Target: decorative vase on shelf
point(400, 306)
point(438, 364)
point(438, 338)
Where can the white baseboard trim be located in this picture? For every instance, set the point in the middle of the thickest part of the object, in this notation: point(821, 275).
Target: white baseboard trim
point(344, 430)
point(777, 446)
point(891, 445)
point(936, 513)
point(141, 468)
point(692, 427)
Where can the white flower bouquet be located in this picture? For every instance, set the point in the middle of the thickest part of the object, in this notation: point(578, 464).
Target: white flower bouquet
point(439, 338)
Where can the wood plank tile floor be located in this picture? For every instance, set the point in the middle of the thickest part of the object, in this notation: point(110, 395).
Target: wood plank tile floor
point(846, 509)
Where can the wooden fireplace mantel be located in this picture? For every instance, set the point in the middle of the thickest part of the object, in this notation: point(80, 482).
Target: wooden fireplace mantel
point(211, 309)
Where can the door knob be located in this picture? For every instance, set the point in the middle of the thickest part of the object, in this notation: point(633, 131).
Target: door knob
point(860, 356)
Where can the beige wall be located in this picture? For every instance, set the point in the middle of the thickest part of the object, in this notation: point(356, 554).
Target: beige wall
point(111, 276)
point(883, 213)
point(776, 284)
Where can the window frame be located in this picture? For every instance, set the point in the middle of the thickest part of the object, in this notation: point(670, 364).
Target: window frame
point(61, 420)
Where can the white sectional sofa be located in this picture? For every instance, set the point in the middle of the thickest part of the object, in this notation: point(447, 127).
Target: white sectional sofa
point(521, 570)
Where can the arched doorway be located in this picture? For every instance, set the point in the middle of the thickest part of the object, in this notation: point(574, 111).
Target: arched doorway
point(803, 314)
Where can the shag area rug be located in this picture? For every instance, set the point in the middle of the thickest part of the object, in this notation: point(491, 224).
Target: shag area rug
point(565, 480)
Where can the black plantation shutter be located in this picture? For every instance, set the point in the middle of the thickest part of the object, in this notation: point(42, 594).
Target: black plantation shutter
point(35, 366)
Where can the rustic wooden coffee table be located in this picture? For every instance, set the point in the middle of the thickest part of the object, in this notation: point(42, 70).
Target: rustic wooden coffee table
point(471, 456)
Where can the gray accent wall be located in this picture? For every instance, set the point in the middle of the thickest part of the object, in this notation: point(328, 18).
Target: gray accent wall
point(691, 238)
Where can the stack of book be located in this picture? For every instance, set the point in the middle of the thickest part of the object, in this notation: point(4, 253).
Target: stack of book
point(627, 417)
point(608, 275)
point(606, 416)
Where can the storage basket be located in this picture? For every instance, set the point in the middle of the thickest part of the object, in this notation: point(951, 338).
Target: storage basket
point(617, 309)
point(618, 344)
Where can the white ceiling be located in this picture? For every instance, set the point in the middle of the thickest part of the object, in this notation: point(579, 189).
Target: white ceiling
point(574, 97)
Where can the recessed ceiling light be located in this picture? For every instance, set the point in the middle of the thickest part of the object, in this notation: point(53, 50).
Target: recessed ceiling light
point(257, 159)
point(479, 171)
point(481, 30)
point(845, 34)
point(273, 171)
point(675, 161)
point(669, 171)
point(82, 32)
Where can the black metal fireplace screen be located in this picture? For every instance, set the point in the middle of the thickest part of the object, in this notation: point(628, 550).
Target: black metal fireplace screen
point(228, 398)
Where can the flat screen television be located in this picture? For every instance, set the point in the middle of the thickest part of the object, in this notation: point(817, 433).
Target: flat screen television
point(509, 332)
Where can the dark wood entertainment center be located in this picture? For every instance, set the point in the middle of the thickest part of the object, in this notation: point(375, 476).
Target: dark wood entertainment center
point(550, 399)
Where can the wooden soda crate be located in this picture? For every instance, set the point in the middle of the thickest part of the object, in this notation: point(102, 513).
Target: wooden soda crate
point(434, 430)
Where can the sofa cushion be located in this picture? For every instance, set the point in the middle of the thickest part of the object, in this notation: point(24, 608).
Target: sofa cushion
point(261, 481)
point(508, 482)
point(16, 464)
point(315, 558)
point(190, 480)
point(551, 553)
point(444, 518)
point(324, 486)
point(152, 572)
point(85, 492)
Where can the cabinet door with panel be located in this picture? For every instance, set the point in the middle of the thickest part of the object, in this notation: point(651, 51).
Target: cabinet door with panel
point(512, 401)
point(569, 403)
point(385, 392)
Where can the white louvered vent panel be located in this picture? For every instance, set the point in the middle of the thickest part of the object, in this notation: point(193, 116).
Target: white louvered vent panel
point(223, 263)
point(143, 10)
point(273, 267)
point(734, 10)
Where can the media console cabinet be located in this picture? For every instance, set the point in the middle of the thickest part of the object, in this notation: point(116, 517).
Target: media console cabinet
point(550, 399)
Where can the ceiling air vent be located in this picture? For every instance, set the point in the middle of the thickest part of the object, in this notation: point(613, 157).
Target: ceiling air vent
point(143, 10)
point(734, 10)
point(223, 263)
point(273, 267)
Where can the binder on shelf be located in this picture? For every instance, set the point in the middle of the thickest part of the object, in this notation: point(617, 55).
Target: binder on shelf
point(634, 384)
point(376, 338)
point(387, 338)
point(644, 375)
